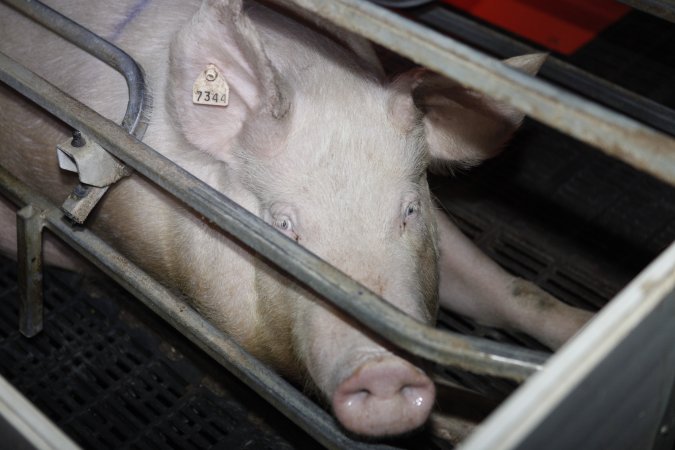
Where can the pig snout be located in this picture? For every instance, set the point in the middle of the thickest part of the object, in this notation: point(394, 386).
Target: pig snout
point(384, 397)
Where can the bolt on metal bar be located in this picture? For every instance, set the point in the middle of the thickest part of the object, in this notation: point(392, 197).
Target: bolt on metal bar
point(188, 321)
point(616, 135)
point(29, 260)
point(472, 354)
point(590, 86)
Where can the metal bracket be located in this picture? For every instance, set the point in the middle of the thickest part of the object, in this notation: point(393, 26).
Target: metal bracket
point(81, 201)
point(94, 165)
point(97, 170)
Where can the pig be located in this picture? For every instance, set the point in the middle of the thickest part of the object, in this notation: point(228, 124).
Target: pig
point(316, 141)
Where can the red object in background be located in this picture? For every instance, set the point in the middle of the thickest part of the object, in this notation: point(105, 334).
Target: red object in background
point(560, 25)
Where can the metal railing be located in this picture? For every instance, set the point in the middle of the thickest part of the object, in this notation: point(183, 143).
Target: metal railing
point(136, 118)
point(615, 134)
point(472, 354)
point(135, 121)
point(40, 213)
point(562, 73)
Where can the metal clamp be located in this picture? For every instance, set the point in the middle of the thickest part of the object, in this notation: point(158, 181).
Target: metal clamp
point(94, 165)
point(97, 170)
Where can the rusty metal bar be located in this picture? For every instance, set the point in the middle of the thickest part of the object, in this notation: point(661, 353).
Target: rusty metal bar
point(189, 322)
point(29, 260)
point(469, 353)
point(615, 134)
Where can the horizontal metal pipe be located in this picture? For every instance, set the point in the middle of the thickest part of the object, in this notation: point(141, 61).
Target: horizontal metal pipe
point(590, 86)
point(613, 133)
point(189, 322)
point(138, 109)
point(469, 353)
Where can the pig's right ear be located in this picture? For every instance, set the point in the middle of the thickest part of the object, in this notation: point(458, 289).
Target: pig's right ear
point(462, 127)
point(221, 35)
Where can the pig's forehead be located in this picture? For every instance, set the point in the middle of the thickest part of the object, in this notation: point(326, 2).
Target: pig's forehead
point(340, 178)
point(346, 150)
point(353, 129)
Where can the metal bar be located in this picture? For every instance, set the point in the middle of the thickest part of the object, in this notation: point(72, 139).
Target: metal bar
point(24, 427)
point(137, 115)
point(136, 118)
point(620, 367)
point(82, 201)
point(29, 260)
point(664, 9)
point(613, 133)
point(189, 322)
point(601, 91)
point(472, 354)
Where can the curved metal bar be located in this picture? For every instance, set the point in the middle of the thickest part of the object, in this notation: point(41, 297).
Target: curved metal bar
point(472, 354)
point(137, 116)
point(138, 111)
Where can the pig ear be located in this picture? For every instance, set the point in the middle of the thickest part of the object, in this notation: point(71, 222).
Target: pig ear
point(222, 35)
point(464, 127)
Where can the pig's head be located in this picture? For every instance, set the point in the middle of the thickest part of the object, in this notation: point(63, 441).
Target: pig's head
point(336, 160)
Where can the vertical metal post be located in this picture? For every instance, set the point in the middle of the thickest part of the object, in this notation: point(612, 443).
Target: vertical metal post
point(29, 224)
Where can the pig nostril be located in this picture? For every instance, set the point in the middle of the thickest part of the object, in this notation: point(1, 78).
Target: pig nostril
point(357, 399)
point(385, 397)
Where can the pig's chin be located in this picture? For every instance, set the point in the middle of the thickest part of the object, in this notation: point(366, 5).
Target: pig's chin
point(385, 396)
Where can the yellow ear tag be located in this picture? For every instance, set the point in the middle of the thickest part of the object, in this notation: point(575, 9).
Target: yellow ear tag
point(211, 88)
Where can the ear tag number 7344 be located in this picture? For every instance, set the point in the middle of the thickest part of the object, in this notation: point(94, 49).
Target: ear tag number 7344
point(211, 88)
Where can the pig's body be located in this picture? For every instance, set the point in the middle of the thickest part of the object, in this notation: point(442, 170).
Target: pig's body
point(315, 143)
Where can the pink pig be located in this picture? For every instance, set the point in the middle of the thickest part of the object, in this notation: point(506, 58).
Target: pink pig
point(316, 142)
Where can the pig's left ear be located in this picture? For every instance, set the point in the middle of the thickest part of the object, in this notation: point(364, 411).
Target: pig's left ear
point(464, 127)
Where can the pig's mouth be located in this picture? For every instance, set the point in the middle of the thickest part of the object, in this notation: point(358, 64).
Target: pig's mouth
point(384, 396)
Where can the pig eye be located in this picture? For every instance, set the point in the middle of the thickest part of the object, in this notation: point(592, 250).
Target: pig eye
point(412, 209)
point(285, 225)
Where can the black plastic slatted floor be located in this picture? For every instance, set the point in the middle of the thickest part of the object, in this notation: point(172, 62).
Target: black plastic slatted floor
point(550, 209)
point(100, 373)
